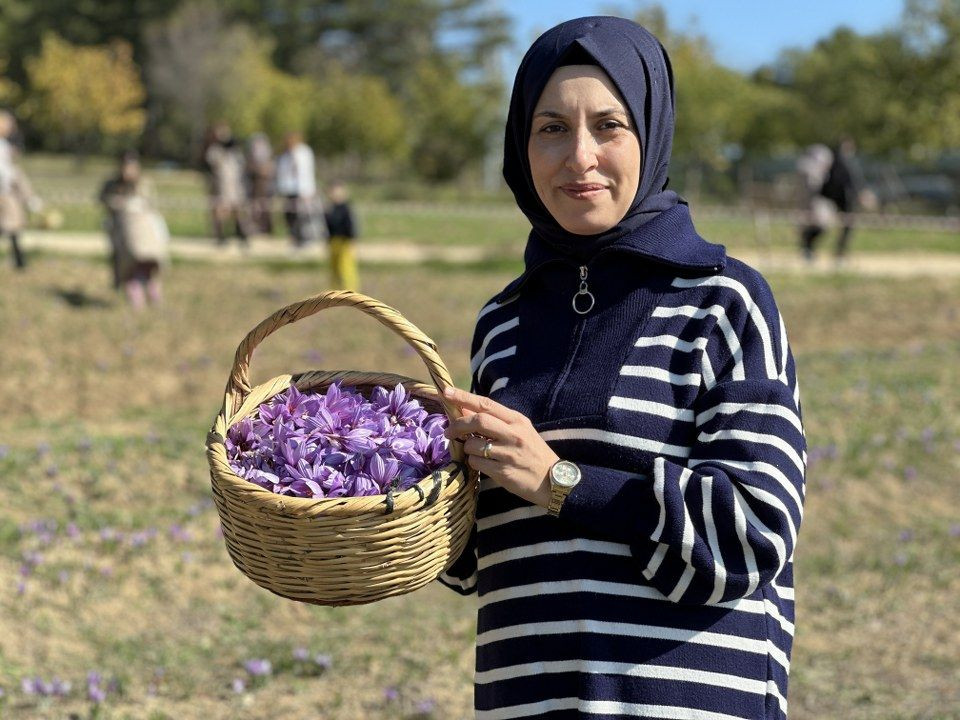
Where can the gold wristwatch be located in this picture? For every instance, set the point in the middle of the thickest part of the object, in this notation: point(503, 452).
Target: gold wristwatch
point(564, 476)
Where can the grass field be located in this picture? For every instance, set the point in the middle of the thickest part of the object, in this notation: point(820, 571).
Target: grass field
point(110, 559)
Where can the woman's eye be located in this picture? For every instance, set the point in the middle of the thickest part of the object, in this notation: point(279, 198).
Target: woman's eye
point(611, 125)
point(552, 129)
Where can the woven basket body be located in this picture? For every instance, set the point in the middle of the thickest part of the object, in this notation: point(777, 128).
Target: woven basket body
point(340, 551)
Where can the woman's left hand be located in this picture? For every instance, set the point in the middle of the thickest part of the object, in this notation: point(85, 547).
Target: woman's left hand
point(519, 459)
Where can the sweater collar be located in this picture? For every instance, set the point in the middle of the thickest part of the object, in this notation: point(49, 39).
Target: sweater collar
point(668, 240)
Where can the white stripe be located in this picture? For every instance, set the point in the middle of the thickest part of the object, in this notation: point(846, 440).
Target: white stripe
point(729, 408)
point(672, 341)
point(658, 672)
point(496, 356)
point(783, 348)
point(603, 627)
point(772, 689)
point(774, 612)
point(643, 592)
point(779, 655)
point(498, 384)
point(468, 585)
point(686, 542)
point(719, 571)
point(778, 545)
point(602, 707)
point(630, 441)
point(656, 373)
point(749, 559)
point(651, 569)
point(603, 587)
point(651, 408)
point(706, 367)
point(698, 313)
point(771, 499)
point(756, 466)
point(762, 438)
point(751, 306)
point(490, 307)
point(658, 484)
point(523, 513)
point(785, 592)
point(554, 547)
point(501, 328)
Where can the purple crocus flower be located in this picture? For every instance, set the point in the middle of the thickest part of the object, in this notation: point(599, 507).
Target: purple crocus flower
point(337, 443)
point(382, 472)
point(322, 661)
point(258, 667)
point(301, 654)
point(425, 707)
point(239, 685)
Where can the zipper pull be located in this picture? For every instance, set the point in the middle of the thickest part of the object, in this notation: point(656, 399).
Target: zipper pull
point(583, 292)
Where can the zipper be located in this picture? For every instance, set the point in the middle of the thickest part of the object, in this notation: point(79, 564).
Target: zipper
point(582, 307)
point(583, 302)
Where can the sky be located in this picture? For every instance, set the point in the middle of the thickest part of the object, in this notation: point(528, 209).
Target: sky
point(743, 33)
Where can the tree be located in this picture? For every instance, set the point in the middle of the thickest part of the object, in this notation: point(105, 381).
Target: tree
point(203, 68)
point(83, 98)
point(451, 124)
point(356, 115)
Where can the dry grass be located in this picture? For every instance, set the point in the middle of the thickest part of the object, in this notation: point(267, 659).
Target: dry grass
point(104, 415)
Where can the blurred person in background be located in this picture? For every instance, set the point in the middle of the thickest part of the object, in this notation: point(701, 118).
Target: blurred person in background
point(138, 235)
point(842, 187)
point(16, 193)
point(223, 160)
point(260, 183)
point(343, 230)
point(814, 167)
point(297, 185)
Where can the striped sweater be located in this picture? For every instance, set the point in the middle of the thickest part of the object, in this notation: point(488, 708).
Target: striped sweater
point(665, 587)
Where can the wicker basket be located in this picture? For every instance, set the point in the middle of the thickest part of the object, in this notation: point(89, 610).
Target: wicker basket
point(340, 551)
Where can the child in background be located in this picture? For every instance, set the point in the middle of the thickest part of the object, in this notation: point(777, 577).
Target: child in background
point(342, 228)
point(138, 235)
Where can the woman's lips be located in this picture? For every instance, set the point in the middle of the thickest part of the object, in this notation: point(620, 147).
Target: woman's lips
point(582, 191)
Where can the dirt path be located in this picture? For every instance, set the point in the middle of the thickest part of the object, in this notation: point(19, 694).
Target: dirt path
point(399, 251)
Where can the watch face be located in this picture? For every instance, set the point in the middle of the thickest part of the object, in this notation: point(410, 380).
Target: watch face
point(565, 473)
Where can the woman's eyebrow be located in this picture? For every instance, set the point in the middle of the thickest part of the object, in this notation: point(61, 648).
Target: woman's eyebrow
point(599, 113)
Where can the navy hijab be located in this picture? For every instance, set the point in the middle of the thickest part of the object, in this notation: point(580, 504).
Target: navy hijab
point(638, 65)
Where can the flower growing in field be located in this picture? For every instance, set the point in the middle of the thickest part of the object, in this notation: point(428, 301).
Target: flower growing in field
point(258, 667)
point(338, 443)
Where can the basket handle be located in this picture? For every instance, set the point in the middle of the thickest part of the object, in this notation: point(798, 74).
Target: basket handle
point(238, 385)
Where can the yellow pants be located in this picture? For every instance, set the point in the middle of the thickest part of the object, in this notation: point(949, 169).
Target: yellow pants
point(343, 264)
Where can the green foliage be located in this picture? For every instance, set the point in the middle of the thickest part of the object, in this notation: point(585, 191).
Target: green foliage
point(451, 122)
point(356, 114)
point(82, 94)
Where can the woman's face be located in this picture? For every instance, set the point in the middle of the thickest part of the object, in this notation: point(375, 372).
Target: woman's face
point(584, 152)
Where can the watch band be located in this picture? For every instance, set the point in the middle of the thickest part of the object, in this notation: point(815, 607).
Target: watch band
point(558, 494)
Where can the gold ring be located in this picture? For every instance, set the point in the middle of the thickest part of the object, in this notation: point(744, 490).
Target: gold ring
point(486, 449)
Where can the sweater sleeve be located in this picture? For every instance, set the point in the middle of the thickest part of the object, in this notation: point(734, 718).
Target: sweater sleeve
point(725, 523)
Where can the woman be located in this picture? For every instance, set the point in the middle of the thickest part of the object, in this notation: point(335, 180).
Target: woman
point(16, 193)
point(138, 234)
point(635, 418)
point(223, 160)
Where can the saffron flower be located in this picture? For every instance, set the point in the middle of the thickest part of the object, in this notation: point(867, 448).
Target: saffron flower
point(338, 443)
point(258, 667)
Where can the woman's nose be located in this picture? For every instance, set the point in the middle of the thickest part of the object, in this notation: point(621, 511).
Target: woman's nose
point(583, 152)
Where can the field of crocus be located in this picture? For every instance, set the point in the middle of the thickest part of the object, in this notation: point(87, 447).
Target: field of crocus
point(118, 600)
